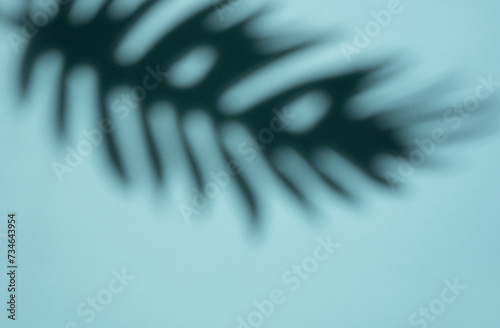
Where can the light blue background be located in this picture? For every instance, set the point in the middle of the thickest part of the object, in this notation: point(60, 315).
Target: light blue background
point(396, 250)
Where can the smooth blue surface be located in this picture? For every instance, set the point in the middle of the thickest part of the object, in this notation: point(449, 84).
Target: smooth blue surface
point(396, 249)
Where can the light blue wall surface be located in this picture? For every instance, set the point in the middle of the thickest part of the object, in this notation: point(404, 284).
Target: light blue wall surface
point(396, 249)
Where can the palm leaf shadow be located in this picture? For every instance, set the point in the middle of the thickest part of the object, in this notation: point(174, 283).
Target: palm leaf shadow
point(94, 43)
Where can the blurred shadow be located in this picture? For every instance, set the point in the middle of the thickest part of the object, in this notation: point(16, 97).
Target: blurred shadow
point(360, 140)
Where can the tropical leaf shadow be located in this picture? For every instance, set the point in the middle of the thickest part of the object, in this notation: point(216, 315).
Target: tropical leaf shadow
point(360, 140)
